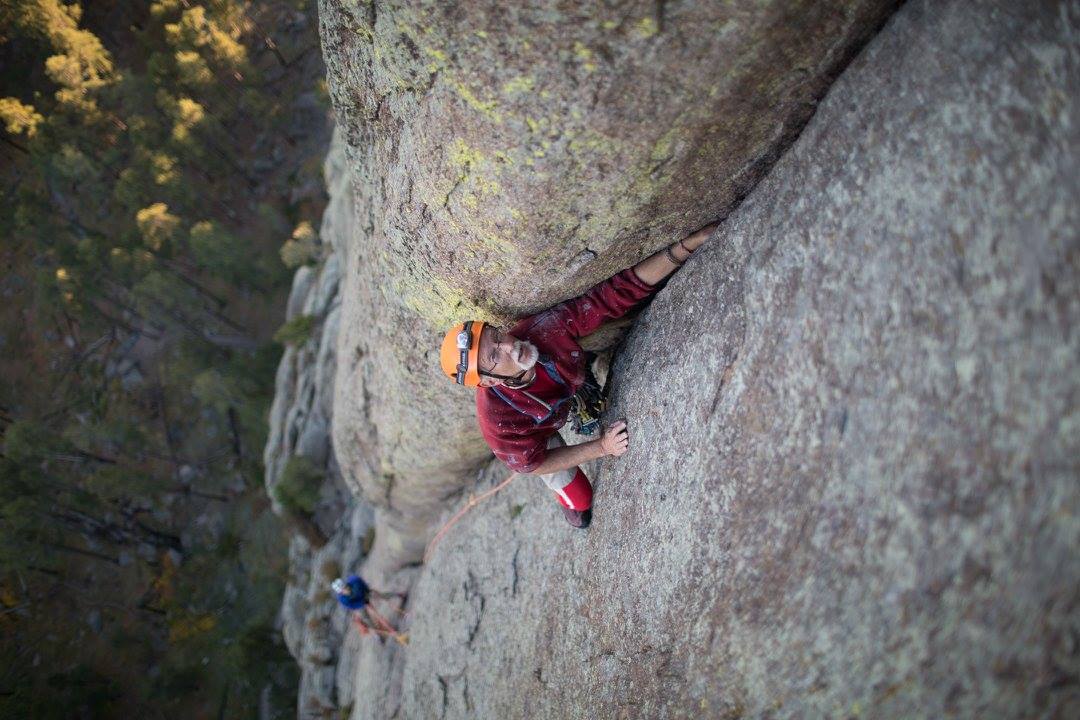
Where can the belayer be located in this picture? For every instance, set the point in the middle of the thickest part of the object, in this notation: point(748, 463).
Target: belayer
point(530, 376)
point(355, 595)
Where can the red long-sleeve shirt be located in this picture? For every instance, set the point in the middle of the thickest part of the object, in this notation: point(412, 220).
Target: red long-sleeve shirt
point(516, 426)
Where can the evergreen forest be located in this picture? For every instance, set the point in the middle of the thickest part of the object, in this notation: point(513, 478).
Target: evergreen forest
point(161, 172)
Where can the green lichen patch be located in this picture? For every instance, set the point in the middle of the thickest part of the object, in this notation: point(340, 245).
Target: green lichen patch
point(518, 85)
point(485, 107)
point(646, 27)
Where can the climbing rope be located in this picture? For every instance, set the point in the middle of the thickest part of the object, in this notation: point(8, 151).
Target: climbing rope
point(473, 502)
point(385, 625)
point(380, 625)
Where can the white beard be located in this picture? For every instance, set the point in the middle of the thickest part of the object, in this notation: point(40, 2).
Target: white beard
point(524, 355)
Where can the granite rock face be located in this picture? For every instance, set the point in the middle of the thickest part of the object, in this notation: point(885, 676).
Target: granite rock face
point(315, 628)
point(299, 422)
point(852, 484)
point(852, 488)
point(505, 158)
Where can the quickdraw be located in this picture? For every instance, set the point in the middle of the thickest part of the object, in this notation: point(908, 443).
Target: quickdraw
point(589, 402)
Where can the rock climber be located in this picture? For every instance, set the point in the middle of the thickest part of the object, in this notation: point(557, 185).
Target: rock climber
point(352, 593)
point(527, 377)
point(355, 595)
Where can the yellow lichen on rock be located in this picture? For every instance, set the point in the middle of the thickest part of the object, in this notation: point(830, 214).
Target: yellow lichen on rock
point(520, 84)
point(470, 98)
point(439, 55)
point(485, 186)
point(593, 142)
point(461, 155)
point(433, 299)
point(646, 27)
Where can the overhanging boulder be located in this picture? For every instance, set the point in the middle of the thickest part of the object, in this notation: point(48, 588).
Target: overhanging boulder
point(507, 158)
point(855, 492)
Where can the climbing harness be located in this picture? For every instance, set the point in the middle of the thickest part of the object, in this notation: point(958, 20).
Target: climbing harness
point(589, 402)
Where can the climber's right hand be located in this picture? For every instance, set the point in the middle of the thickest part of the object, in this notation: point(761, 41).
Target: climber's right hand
point(615, 440)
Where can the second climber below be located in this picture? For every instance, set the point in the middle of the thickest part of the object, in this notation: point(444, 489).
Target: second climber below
point(527, 375)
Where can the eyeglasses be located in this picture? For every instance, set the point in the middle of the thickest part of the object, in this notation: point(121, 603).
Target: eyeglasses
point(497, 339)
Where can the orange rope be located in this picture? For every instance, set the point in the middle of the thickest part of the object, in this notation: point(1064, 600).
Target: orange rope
point(386, 629)
point(473, 501)
point(379, 619)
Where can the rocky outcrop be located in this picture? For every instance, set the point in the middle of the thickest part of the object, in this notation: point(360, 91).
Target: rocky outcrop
point(299, 422)
point(854, 493)
point(492, 145)
point(314, 627)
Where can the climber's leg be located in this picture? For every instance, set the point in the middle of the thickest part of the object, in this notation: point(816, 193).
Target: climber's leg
point(572, 489)
point(577, 494)
point(387, 595)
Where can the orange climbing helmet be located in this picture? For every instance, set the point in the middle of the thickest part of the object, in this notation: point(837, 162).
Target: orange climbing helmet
point(460, 351)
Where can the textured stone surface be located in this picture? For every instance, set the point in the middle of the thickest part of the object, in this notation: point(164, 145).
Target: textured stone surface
point(315, 628)
point(852, 489)
point(299, 422)
point(854, 492)
point(507, 158)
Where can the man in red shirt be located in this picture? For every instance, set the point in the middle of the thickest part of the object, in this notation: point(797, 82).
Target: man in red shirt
point(527, 375)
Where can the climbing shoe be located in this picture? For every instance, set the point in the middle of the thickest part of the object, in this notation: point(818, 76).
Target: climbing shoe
point(577, 518)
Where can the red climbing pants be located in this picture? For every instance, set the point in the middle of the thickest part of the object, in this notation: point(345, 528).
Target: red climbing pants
point(572, 489)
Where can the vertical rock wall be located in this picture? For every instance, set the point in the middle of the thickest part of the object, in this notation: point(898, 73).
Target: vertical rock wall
point(505, 158)
point(315, 629)
point(855, 437)
point(854, 492)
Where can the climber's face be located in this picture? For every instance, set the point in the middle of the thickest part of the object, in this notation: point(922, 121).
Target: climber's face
point(503, 354)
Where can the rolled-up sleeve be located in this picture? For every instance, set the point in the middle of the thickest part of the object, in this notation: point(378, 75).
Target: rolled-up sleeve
point(605, 301)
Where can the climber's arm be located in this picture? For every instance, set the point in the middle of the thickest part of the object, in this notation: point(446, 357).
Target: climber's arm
point(617, 295)
point(613, 441)
point(658, 266)
point(568, 456)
